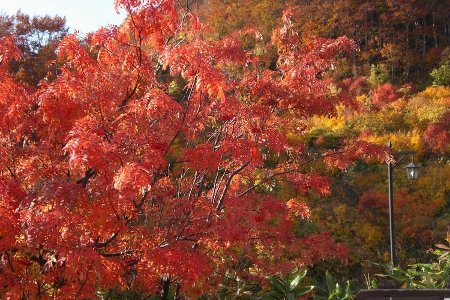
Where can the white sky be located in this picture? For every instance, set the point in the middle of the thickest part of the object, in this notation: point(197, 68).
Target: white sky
point(82, 15)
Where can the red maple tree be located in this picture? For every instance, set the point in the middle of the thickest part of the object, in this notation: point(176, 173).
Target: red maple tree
point(153, 156)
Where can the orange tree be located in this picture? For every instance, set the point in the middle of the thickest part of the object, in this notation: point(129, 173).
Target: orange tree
point(152, 158)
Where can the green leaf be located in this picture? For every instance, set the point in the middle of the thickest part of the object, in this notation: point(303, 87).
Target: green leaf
point(445, 247)
point(273, 295)
point(296, 280)
point(399, 275)
point(293, 284)
point(338, 288)
point(304, 290)
point(293, 274)
point(331, 285)
point(347, 288)
point(277, 284)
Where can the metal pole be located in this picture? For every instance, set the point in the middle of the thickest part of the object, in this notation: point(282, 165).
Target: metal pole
point(391, 210)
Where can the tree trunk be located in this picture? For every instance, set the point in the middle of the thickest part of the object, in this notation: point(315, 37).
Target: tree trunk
point(447, 27)
point(434, 32)
point(176, 296)
point(165, 282)
point(424, 38)
point(407, 34)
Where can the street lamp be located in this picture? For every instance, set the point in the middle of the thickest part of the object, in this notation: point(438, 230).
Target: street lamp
point(412, 171)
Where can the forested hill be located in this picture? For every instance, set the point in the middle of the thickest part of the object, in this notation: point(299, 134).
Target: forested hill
point(399, 79)
point(401, 40)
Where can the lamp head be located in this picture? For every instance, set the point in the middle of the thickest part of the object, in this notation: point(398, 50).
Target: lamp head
point(412, 170)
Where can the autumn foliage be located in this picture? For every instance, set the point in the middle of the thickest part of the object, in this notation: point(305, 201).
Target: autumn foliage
point(204, 145)
point(151, 157)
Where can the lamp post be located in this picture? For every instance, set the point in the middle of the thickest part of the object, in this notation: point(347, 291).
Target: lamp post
point(412, 171)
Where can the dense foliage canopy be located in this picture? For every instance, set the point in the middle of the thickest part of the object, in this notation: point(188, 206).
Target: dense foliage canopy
point(169, 154)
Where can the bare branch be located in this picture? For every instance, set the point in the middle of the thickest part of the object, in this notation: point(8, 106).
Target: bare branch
point(87, 175)
point(201, 185)
point(130, 94)
point(227, 184)
point(98, 244)
point(116, 254)
point(189, 95)
point(216, 184)
point(284, 172)
point(141, 203)
point(264, 181)
point(194, 182)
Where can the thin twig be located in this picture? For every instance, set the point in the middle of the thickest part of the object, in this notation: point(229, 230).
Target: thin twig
point(227, 184)
point(284, 172)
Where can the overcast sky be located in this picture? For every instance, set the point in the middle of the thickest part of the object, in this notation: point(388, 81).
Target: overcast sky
point(82, 15)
